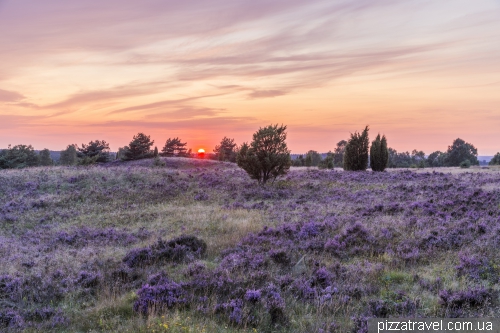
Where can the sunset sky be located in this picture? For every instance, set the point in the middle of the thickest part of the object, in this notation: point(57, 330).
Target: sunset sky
point(421, 72)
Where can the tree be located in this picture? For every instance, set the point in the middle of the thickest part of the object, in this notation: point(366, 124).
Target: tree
point(267, 156)
point(338, 153)
point(225, 151)
point(399, 160)
point(436, 159)
point(356, 151)
point(495, 160)
point(308, 160)
point(139, 147)
point(68, 156)
point(18, 157)
point(314, 156)
point(44, 158)
point(94, 148)
point(155, 153)
point(174, 147)
point(298, 161)
point(418, 159)
point(460, 151)
point(121, 154)
point(327, 163)
point(379, 155)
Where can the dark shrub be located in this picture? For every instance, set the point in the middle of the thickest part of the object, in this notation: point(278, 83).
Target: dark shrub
point(472, 297)
point(138, 257)
point(176, 250)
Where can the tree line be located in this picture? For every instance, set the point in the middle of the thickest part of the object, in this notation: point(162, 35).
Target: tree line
point(266, 147)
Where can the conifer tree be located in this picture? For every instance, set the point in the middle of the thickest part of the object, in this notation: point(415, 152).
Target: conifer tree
point(174, 147)
point(356, 152)
point(379, 154)
point(99, 148)
point(139, 147)
point(225, 151)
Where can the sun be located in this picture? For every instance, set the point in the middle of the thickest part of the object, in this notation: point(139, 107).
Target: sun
point(201, 151)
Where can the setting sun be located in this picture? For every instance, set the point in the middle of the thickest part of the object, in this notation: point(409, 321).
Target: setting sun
point(201, 151)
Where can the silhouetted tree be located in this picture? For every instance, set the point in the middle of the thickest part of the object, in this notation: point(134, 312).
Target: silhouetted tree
point(267, 156)
point(436, 159)
point(418, 159)
point(356, 151)
point(308, 160)
point(338, 154)
point(99, 148)
point(314, 156)
point(379, 155)
point(44, 158)
point(225, 151)
point(327, 163)
point(495, 160)
point(121, 154)
point(460, 151)
point(139, 147)
point(68, 156)
point(174, 147)
point(155, 153)
point(298, 161)
point(18, 157)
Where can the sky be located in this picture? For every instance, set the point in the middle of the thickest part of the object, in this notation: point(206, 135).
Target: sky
point(422, 72)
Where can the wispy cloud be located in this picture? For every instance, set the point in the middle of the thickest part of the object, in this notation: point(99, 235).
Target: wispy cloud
point(10, 96)
point(126, 62)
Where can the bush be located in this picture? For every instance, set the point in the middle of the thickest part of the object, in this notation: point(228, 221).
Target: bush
point(356, 152)
point(465, 164)
point(379, 155)
point(176, 250)
point(267, 156)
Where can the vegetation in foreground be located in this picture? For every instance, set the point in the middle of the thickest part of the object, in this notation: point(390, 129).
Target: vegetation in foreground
point(197, 246)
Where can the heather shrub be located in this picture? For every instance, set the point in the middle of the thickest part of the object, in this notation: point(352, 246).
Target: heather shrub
point(476, 268)
point(159, 295)
point(183, 248)
point(464, 298)
point(400, 305)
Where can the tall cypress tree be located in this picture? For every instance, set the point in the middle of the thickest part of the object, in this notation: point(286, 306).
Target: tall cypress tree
point(356, 152)
point(379, 154)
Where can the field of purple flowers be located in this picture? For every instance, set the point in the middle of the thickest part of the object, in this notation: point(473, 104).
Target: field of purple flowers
point(197, 246)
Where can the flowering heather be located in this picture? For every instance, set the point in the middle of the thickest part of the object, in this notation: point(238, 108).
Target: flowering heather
point(102, 248)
